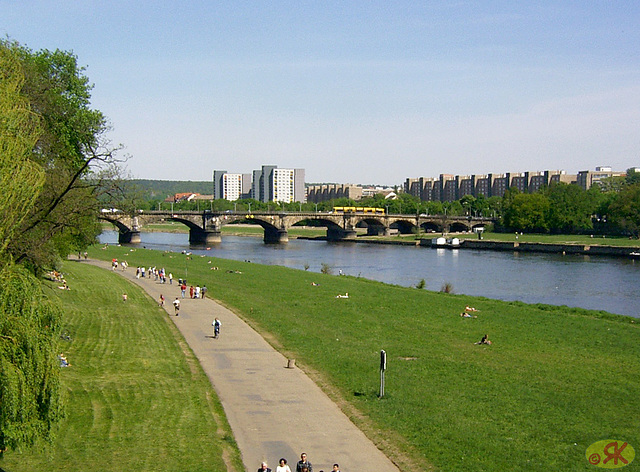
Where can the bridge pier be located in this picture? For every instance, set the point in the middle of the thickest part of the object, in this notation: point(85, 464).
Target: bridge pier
point(377, 231)
point(339, 234)
point(204, 236)
point(275, 236)
point(129, 237)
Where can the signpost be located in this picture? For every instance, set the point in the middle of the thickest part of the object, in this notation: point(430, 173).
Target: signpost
point(383, 367)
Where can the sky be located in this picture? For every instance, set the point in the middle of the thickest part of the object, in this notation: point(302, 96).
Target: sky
point(369, 92)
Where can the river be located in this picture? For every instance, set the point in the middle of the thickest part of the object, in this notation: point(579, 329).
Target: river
point(598, 283)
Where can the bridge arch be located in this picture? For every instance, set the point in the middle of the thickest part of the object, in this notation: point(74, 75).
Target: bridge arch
point(458, 227)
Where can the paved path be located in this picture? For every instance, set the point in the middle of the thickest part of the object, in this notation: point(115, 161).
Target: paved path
point(273, 411)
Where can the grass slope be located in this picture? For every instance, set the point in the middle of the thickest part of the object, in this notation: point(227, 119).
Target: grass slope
point(555, 380)
point(136, 398)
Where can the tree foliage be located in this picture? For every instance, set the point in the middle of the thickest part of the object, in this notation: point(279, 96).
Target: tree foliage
point(72, 150)
point(624, 210)
point(20, 178)
point(30, 401)
point(527, 212)
point(570, 208)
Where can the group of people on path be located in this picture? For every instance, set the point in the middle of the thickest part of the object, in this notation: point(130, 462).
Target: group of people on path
point(157, 274)
point(303, 465)
point(194, 292)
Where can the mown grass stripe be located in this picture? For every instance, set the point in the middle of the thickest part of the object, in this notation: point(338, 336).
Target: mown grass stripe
point(133, 399)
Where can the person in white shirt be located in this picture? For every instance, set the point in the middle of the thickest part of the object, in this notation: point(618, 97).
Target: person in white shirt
point(282, 466)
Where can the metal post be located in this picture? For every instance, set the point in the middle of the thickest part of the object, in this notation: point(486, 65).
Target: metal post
point(383, 368)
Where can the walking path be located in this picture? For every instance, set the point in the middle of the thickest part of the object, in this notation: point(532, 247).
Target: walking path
point(273, 411)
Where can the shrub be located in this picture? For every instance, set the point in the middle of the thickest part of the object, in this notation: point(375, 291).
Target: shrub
point(325, 268)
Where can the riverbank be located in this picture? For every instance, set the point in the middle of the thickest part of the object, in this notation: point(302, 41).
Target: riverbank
point(583, 249)
point(515, 246)
point(535, 399)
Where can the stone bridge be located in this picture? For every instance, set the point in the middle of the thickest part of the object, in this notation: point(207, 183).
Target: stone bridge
point(205, 226)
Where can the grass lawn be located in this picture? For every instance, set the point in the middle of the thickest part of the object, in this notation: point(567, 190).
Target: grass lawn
point(136, 398)
point(555, 380)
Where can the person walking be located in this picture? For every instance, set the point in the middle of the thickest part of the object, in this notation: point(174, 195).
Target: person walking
point(203, 291)
point(161, 302)
point(264, 468)
point(304, 462)
point(216, 328)
point(176, 306)
point(282, 466)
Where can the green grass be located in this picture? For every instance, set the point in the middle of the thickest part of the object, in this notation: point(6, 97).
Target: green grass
point(135, 396)
point(555, 380)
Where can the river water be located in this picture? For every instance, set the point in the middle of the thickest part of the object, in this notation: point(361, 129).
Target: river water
point(598, 283)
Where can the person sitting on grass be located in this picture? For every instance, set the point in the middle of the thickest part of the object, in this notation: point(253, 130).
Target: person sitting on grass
point(484, 340)
point(464, 314)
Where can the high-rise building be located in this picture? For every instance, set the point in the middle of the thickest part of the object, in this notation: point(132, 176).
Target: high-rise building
point(269, 184)
point(231, 186)
point(299, 190)
point(282, 185)
point(218, 186)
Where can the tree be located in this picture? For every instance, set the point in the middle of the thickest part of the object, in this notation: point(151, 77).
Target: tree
point(20, 178)
point(30, 397)
point(633, 176)
point(570, 208)
point(527, 212)
point(30, 402)
point(624, 210)
point(78, 160)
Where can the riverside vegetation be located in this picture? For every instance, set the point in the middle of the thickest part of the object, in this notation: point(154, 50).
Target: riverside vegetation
point(555, 380)
point(135, 396)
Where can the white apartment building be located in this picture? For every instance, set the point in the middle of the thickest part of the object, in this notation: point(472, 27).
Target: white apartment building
point(283, 185)
point(231, 186)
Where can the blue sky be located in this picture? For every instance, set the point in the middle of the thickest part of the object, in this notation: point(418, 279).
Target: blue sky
point(354, 92)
